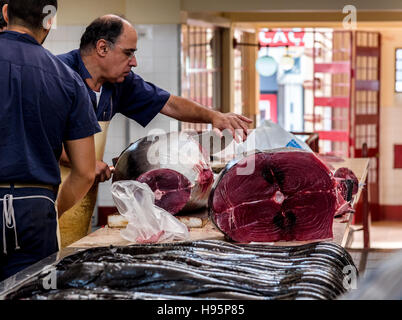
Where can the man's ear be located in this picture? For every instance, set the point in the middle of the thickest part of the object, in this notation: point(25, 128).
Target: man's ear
point(102, 47)
point(5, 13)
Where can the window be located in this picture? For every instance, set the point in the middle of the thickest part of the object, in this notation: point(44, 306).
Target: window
point(239, 69)
point(201, 68)
point(398, 70)
point(243, 71)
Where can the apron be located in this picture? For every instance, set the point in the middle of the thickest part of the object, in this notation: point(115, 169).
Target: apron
point(29, 225)
point(75, 223)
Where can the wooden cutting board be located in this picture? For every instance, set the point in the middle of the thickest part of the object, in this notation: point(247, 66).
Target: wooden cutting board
point(111, 236)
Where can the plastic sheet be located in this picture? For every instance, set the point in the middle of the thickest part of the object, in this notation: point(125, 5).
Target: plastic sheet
point(271, 136)
point(147, 223)
point(268, 136)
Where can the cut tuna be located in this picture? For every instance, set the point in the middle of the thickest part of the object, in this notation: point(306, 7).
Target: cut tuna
point(175, 167)
point(290, 195)
point(172, 190)
point(348, 183)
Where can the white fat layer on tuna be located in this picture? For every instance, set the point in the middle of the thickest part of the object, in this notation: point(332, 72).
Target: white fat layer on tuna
point(158, 194)
point(279, 197)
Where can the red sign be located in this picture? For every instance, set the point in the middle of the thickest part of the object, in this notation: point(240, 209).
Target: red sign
point(281, 38)
point(269, 100)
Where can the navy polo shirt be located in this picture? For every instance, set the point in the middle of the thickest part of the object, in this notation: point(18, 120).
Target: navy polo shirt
point(135, 98)
point(42, 104)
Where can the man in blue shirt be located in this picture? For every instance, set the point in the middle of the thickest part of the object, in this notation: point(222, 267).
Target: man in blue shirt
point(43, 105)
point(104, 61)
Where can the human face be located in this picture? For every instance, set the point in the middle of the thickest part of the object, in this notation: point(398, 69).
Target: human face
point(121, 57)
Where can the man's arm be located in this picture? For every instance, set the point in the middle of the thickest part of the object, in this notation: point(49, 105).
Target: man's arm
point(102, 170)
point(186, 110)
point(81, 153)
point(64, 160)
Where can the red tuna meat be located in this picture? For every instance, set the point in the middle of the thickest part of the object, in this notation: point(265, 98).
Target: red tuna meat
point(343, 174)
point(291, 195)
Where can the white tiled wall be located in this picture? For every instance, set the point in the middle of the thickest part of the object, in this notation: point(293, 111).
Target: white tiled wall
point(64, 39)
point(158, 62)
point(391, 134)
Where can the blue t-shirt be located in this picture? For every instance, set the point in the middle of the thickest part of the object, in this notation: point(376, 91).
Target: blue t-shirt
point(42, 104)
point(135, 98)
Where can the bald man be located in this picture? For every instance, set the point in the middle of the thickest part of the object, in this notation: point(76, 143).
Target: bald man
point(104, 61)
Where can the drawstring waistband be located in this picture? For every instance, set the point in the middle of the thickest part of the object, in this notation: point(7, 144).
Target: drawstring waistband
point(9, 221)
point(9, 216)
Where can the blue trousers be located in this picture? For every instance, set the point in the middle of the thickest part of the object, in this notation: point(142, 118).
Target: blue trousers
point(35, 227)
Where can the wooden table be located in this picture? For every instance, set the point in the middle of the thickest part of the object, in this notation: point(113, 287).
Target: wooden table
point(341, 227)
point(342, 230)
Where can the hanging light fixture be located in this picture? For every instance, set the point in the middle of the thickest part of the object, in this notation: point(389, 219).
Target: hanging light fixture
point(287, 61)
point(266, 65)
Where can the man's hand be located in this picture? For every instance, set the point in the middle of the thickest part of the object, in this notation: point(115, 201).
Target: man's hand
point(186, 110)
point(236, 123)
point(103, 172)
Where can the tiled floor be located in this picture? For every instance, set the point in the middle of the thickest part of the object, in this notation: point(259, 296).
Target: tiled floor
point(385, 240)
point(383, 235)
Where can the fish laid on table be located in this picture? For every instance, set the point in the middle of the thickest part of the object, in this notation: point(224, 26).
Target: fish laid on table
point(175, 167)
point(345, 176)
point(282, 194)
point(202, 270)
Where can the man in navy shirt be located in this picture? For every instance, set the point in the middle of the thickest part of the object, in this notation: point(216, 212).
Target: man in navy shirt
point(43, 105)
point(104, 61)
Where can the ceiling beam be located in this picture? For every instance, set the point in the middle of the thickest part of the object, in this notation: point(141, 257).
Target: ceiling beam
point(286, 5)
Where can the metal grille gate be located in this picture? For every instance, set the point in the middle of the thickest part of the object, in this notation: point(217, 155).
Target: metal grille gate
point(346, 93)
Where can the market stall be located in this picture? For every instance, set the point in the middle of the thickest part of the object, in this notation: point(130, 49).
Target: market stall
point(208, 235)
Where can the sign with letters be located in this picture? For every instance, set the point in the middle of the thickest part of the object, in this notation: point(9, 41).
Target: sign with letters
point(281, 38)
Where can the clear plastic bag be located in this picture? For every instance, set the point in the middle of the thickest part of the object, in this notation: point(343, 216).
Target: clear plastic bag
point(268, 136)
point(147, 223)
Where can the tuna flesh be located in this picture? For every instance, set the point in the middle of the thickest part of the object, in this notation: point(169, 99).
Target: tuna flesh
point(287, 194)
point(348, 183)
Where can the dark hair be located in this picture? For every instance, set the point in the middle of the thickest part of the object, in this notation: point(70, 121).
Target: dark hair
point(3, 23)
point(106, 28)
point(29, 13)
